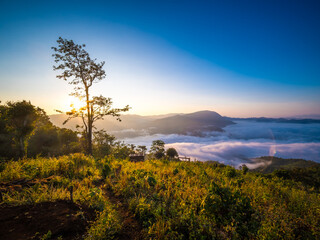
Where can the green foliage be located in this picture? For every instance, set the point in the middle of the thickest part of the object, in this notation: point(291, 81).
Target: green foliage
point(141, 149)
point(274, 163)
point(121, 150)
point(309, 176)
point(227, 208)
point(194, 200)
point(106, 226)
point(6, 136)
point(106, 170)
point(244, 169)
point(171, 199)
point(230, 172)
point(19, 119)
point(49, 179)
point(151, 181)
point(157, 149)
point(143, 210)
point(39, 137)
point(172, 153)
point(103, 144)
point(49, 140)
point(46, 236)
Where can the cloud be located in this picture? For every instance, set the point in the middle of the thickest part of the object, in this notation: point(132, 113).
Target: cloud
point(289, 132)
point(238, 152)
point(245, 140)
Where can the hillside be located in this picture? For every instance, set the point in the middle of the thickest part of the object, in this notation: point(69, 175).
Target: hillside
point(155, 199)
point(298, 170)
point(270, 164)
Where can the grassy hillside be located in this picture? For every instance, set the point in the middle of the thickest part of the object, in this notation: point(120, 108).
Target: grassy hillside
point(169, 200)
point(298, 170)
point(274, 163)
point(43, 180)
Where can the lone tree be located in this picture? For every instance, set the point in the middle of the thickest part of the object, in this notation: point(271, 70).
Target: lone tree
point(80, 70)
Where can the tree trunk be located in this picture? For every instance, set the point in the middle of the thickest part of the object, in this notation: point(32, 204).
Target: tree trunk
point(89, 131)
point(21, 152)
point(89, 150)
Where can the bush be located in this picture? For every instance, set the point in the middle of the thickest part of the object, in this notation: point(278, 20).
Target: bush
point(172, 153)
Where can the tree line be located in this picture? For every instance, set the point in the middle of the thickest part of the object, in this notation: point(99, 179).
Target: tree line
point(26, 131)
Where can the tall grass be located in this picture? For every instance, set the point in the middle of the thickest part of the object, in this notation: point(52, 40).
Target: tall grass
point(172, 200)
point(30, 181)
point(193, 200)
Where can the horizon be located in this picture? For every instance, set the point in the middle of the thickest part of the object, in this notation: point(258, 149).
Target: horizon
point(244, 59)
point(311, 116)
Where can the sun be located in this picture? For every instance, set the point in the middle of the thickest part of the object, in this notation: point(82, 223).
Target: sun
point(76, 103)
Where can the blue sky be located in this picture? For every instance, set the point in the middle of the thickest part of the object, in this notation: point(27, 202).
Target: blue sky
point(239, 58)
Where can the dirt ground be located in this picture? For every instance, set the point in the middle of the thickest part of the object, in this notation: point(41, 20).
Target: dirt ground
point(62, 218)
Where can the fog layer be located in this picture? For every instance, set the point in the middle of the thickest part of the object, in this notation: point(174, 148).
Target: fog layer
point(245, 140)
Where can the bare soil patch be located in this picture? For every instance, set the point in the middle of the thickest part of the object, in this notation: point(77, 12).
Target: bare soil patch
point(62, 218)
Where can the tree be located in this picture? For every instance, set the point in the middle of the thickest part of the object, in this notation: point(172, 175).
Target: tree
point(141, 149)
point(6, 136)
point(80, 70)
point(21, 119)
point(157, 149)
point(121, 150)
point(172, 153)
point(103, 143)
point(49, 140)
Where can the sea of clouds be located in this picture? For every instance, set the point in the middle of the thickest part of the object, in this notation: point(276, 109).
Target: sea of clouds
point(243, 141)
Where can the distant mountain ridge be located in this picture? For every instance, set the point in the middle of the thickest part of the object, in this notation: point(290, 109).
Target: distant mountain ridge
point(134, 125)
point(278, 120)
point(307, 116)
point(194, 124)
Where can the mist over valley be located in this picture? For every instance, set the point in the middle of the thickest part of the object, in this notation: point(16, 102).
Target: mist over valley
point(206, 135)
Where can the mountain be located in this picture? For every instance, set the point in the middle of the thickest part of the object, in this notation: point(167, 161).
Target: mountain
point(190, 124)
point(135, 125)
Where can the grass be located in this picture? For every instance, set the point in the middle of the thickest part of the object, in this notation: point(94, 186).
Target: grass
point(186, 200)
point(79, 171)
point(171, 200)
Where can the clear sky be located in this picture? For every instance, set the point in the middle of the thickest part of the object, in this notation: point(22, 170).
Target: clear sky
point(239, 58)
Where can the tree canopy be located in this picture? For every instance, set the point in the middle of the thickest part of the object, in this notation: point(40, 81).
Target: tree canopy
point(26, 131)
point(21, 118)
point(157, 149)
point(172, 153)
